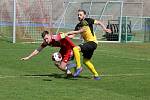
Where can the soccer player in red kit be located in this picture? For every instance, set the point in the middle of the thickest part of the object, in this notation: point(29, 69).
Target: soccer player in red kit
point(59, 40)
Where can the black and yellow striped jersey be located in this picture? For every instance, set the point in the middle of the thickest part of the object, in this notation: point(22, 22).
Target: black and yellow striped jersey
point(87, 25)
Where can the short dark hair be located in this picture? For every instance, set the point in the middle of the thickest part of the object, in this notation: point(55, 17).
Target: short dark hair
point(81, 10)
point(44, 33)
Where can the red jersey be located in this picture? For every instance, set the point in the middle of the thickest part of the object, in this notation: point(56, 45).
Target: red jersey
point(65, 44)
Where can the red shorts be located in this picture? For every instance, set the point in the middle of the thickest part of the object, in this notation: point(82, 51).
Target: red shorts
point(67, 56)
point(66, 49)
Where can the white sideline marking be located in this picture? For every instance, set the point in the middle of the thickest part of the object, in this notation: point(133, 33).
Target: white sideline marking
point(103, 75)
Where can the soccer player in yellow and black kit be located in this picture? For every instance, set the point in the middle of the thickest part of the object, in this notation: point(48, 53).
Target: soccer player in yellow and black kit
point(85, 28)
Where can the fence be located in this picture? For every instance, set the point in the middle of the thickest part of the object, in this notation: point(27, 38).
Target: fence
point(26, 17)
point(24, 20)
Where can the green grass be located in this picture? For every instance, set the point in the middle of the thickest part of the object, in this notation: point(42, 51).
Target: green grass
point(124, 71)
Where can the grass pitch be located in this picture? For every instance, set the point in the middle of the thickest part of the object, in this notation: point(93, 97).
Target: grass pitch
point(124, 69)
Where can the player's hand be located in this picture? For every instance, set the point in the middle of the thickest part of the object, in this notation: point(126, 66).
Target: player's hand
point(71, 35)
point(108, 30)
point(25, 58)
point(68, 33)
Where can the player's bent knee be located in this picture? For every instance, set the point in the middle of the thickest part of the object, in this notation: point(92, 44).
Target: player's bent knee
point(85, 61)
point(77, 48)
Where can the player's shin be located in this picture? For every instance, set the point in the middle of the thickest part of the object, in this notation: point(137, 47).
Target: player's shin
point(77, 56)
point(63, 66)
point(90, 66)
point(71, 65)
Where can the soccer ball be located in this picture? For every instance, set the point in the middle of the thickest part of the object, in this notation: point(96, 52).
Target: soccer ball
point(56, 56)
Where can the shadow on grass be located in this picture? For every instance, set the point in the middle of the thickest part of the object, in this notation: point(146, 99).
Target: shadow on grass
point(56, 75)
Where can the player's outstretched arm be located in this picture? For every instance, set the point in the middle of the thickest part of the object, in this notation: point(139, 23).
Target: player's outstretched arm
point(75, 32)
point(35, 52)
point(102, 25)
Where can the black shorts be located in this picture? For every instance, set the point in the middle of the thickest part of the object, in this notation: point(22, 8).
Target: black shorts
point(88, 48)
